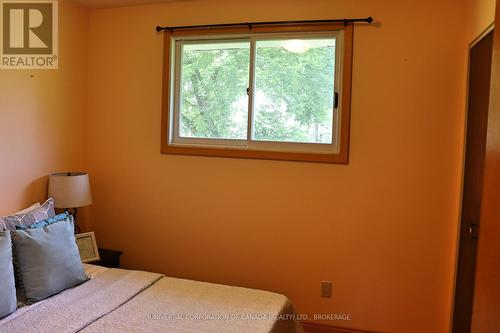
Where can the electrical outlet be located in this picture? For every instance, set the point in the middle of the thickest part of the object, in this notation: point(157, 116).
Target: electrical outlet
point(326, 288)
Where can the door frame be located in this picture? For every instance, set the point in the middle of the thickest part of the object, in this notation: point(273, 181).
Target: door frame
point(473, 43)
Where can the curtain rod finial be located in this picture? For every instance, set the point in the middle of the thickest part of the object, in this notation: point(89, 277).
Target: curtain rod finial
point(369, 19)
point(158, 29)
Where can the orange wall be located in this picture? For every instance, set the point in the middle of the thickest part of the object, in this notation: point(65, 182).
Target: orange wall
point(43, 117)
point(480, 14)
point(382, 228)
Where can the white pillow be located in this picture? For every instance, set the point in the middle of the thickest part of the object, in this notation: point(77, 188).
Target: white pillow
point(27, 210)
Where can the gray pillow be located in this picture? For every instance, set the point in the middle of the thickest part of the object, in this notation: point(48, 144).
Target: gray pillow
point(7, 290)
point(47, 260)
point(41, 213)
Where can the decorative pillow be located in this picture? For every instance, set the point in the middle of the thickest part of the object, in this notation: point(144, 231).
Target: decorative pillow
point(27, 210)
point(49, 221)
point(26, 219)
point(7, 290)
point(24, 211)
point(47, 260)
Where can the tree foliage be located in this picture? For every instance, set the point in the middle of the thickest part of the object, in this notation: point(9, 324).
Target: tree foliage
point(293, 97)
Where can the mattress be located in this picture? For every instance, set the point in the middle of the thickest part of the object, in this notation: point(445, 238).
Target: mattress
point(117, 300)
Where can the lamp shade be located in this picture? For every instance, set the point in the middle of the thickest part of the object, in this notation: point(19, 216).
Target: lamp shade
point(70, 189)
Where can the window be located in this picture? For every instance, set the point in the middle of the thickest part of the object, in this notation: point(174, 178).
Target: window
point(273, 93)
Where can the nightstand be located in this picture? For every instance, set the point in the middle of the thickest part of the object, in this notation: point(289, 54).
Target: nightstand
point(109, 258)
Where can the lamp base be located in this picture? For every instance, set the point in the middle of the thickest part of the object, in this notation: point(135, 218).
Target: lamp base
point(73, 212)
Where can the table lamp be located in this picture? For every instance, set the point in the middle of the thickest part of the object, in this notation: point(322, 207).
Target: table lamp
point(70, 190)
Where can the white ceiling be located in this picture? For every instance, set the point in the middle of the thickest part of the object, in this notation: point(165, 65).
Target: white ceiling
point(119, 3)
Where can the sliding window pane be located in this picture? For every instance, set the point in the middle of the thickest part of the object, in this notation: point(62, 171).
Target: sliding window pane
point(214, 79)
point(294, 94)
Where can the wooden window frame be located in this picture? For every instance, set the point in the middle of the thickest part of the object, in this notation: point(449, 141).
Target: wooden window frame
point(340, 157)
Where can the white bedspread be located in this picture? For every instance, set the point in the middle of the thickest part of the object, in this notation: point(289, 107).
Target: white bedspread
point(116, 300)
point(74, 309)
point(93, 270)
point(90, 270)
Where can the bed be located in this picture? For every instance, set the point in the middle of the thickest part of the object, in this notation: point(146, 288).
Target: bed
point(118, 300)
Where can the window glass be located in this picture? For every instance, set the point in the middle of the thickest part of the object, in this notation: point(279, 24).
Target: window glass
point(294, 97)
point(213, 97)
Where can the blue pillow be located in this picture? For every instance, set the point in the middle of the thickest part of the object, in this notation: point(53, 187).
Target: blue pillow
point(8, 300)
point(44, 223)
point(47, 259)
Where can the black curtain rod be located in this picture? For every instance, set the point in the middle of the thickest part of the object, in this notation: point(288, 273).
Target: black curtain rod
point(252, 24)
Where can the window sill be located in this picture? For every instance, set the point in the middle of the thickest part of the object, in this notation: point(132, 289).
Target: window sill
point(339, 158)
